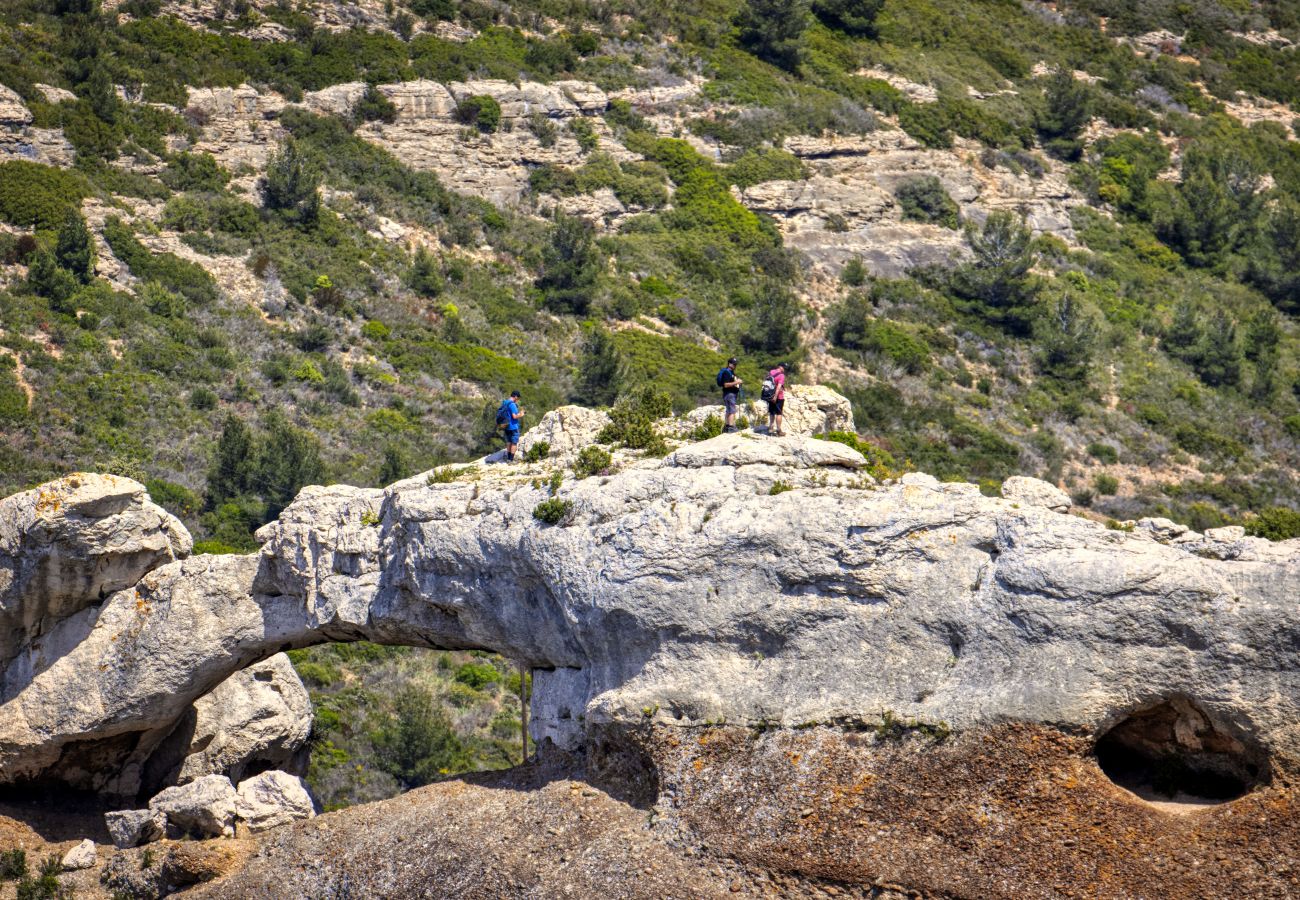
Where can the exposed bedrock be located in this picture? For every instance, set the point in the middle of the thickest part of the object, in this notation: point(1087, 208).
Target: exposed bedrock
point(679, 592)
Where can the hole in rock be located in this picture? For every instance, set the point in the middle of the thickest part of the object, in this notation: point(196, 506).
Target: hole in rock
point(1175, 755)
point(392, 718)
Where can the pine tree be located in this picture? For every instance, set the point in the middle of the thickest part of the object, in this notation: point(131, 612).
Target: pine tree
point(287, 459)
point(997, 284)
point(776, 314)
point(773, 30)
point(1066, 337)
point(1182, 338)
point(571, 263)
point(292, 183)
point(599, 371)
point(232, 465)
point(1218, 360)
point(855, 17)
point(75, 251)
point(395, 466)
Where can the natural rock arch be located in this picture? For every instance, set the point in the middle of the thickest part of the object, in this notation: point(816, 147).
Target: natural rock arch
point(679, 593)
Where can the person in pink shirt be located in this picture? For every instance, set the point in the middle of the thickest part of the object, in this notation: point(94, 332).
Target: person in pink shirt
point(776, 406)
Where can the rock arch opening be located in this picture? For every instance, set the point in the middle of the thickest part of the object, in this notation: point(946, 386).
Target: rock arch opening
point(1173, 750)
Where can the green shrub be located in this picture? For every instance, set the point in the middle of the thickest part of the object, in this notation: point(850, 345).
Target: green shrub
point(854, 273)
point(584, 134)
point(37, 196)
point(552, 511)
point(923, 199)
point(194, 172)
point(880, 463)
point(538, 452)
point(592, 461)
point(779, 487)
point(633, 418)
point(1276, 523)
point(481, 112)
point(855, 17)
point(1103, 453)
point(477, 675)
point(1105, 484)
point(711, 427)
point(765, 164)
point(13, 864)
point(620, 114)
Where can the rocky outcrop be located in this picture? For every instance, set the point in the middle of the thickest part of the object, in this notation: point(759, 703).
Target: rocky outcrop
point(566, 430)
point(13, 112)
point(133, 827)
point(935, 603)
point(68, 544)
point(700, 624)
point(203, 808)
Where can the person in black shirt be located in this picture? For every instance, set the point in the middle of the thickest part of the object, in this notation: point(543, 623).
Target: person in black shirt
point(730, 385)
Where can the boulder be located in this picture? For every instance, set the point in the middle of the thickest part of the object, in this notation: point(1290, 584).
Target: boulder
point(133, 827)
point(720, 583)
point(1034, 492)
point(203, 808)
point(258, 718)
point(567, 430)
point(272, 799)
point(81, 856)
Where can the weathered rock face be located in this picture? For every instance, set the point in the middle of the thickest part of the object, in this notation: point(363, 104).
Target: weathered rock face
point(258, 718)
point(683, 587)
point(566, 430)
point(202, 808)
point(70, 543)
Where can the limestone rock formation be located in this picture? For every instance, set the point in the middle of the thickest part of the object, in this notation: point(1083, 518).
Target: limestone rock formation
point(1028, 645)
point(203, 808)
point(1020, 489)
point(258, 718)
point(567, 430)
point(272, 799)
point(13, 112)
point(935, 602)
point(79, 857)
point(810, 409)
point(70, 543)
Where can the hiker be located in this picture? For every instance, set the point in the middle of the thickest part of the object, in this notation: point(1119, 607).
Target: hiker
point(774, 394)
point(730, 385)
point(508, 416)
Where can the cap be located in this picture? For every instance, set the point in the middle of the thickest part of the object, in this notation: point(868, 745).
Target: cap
point(515, 394)
point(732, 361)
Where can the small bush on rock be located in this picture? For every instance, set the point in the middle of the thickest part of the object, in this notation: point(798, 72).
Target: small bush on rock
point(711, 427)
point(538, 452)
point(552, 511)
point(1277, 524)
point(481, 111)
point(592, 461)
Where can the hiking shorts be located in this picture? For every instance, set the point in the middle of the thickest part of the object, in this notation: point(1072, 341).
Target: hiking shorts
point(729, 404)
point(776, 407)
point(512, 435)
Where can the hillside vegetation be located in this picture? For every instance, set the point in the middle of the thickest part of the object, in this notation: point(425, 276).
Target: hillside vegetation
point(1095, 239)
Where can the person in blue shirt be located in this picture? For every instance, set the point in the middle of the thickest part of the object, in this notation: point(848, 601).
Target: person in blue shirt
point(512, 412)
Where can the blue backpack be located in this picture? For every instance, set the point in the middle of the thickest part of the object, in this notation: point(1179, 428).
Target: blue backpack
point(503, 415)
point(721, 377)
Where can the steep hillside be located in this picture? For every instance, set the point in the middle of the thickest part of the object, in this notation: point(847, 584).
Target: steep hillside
point(252, 245)
point(350, 227)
